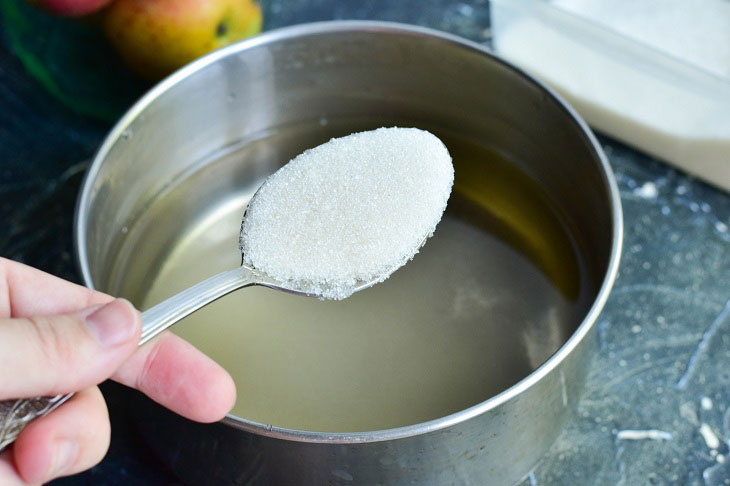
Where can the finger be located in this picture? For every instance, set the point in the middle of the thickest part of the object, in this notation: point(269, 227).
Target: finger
point(8, 474)
point(175, 374)
point(69, 440)
point(20, 286)
point(61, 354)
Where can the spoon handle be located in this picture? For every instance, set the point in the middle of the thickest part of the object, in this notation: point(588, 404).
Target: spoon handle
point(158, 318)
point(15, 414)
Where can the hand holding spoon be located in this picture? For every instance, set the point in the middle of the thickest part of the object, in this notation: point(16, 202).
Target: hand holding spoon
point(335, 220)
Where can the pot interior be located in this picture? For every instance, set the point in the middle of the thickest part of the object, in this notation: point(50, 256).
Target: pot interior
point(507, 278)
point(495, 292)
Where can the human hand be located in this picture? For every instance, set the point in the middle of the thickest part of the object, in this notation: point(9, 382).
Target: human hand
point(57, 337)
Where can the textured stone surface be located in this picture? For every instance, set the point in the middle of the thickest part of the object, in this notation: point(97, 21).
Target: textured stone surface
point(663, 364)
point(656, 409)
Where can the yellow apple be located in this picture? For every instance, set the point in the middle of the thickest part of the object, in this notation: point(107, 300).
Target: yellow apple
point(155, 37)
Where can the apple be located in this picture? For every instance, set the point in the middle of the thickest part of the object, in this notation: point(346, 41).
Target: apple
point(155, 37)
point(70, 8)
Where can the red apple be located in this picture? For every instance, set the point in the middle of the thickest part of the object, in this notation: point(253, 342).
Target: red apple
point(71, 8)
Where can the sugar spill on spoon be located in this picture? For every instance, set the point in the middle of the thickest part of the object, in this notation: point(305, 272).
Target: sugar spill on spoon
point(349, 211)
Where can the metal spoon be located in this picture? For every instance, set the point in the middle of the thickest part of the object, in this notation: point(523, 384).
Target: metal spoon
point(16, 414)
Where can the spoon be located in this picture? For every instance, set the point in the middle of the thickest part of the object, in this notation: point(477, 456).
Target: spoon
point(16, 414)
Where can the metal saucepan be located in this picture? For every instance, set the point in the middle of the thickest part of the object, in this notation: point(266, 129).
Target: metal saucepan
point(324, 73)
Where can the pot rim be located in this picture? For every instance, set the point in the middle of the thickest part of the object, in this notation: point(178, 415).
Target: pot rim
point(80, 222)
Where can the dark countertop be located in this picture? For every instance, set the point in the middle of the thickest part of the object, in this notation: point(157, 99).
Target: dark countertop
point(656, 408)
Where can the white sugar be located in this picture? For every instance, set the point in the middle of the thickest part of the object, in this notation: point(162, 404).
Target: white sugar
point(349, 211)
point(695, 31)
point(654, 73)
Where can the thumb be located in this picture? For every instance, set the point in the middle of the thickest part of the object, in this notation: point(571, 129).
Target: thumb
point(51, 355)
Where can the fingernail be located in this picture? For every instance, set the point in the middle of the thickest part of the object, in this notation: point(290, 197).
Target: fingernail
point(112, 324)
point(66, 453)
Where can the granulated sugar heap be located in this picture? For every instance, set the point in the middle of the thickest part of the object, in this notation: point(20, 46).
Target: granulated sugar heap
point(349, 211)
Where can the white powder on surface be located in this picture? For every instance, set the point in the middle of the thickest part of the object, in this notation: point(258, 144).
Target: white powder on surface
point(651, 434)
point(647, 191)
point(710, 437)
point(349, 211)
point(706, 403)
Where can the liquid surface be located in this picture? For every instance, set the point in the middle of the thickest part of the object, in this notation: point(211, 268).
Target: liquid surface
point(494, 293)
point(349, 211)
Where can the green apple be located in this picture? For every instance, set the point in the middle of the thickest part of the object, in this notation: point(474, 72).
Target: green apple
point(155, 37)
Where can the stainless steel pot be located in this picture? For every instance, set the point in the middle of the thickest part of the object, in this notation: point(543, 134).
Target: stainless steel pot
point(333, 71)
